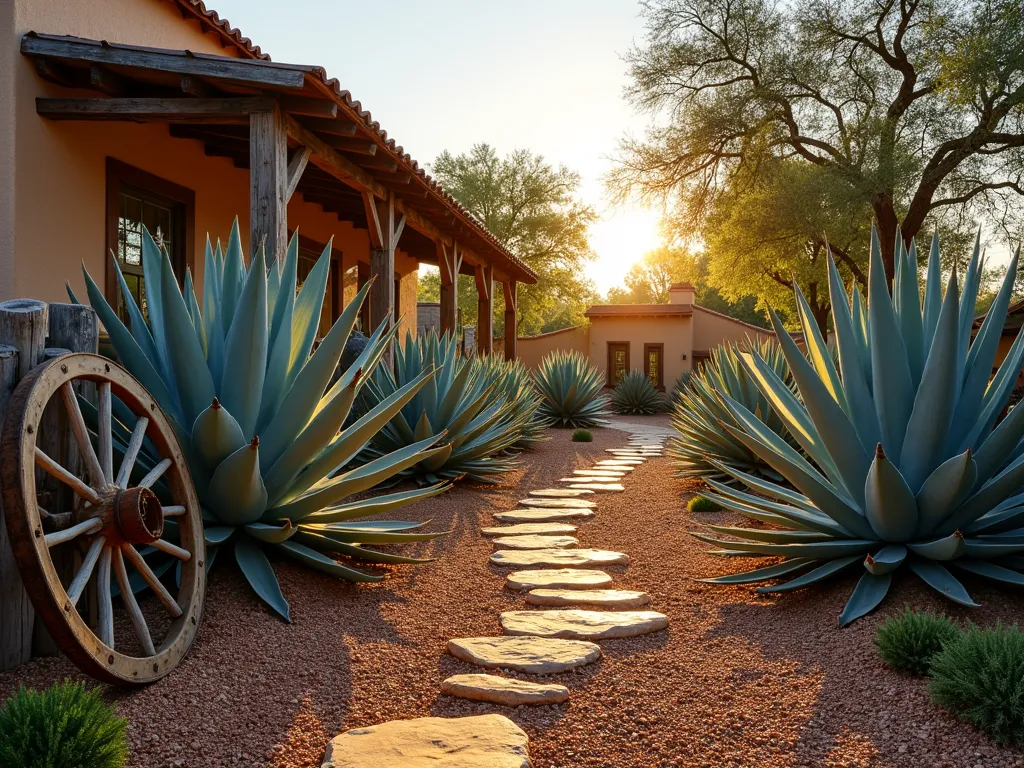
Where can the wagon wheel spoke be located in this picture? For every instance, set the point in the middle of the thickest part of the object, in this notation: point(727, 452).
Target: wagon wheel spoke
point(106, 607)
point(52, 468)
point(88, 527)
point(104, 433)
point(171, 549)
point(131, 604)
point(92, 462)
point(175, 510)
point(88, 564)
point(132, 453)
point(155, 474)
point(151, 579)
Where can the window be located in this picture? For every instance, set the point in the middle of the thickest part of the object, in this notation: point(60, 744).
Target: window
point(618, 361)
point(309, 253)
point(136, 199)
point(654, 364)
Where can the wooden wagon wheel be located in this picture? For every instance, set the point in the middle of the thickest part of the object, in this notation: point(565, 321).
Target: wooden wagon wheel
point(110, 521)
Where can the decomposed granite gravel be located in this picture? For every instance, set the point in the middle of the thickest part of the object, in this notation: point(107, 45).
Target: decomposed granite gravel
point(739, 680)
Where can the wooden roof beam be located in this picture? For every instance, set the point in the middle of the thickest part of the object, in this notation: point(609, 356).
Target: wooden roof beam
point(338, 127)
point(155, 110)
point(352, 144)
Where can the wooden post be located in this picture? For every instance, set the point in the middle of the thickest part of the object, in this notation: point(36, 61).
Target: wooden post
point(449, 260)
point(485, 309)
point(23, 336)
point(268, 183)
point(511, 322)
point(362, 278)
point(72, 328)
point(384, 235)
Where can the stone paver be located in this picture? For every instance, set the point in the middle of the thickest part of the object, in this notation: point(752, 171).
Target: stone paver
point(620, 599)
point(559, 493)
point(504, 690)
point(582, 625)
point(536, 542)
point(631, 464)
point(559, 503)
point(542, 515)
point(590, 479)
point(558, 557)
point(564, 578)
point(534, 655)
point(526, 529)
point(599, 472)
point(599, 487)
point(483, 741)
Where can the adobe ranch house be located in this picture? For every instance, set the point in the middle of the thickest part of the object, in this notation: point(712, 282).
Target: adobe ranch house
point(119, 113)
point(663, 340)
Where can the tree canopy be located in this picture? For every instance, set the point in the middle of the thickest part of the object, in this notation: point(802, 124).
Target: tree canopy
point(533, 208)
point(776, 127)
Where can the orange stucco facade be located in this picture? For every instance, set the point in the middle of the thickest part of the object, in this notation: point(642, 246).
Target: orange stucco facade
point(53, 174)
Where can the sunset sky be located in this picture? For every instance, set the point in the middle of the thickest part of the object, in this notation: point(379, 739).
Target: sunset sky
point(543, 75)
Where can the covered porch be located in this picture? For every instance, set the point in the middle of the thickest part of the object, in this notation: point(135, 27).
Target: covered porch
point(307, 153)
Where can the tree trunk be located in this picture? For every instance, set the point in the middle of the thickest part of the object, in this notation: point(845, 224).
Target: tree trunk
point(820, 308)
point(888, 225)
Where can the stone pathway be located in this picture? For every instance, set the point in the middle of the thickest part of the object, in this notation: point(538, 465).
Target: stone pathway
point(576, 607)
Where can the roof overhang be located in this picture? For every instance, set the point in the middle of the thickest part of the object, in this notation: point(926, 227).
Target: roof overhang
point(639, 310)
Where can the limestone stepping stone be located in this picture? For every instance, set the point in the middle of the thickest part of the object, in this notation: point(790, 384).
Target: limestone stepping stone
point(558, 557)
point(526, 529)
point(534, 655)
point(559, 493)
point(542, 515)
point(482, 741)
point(564, 578)
point(609, 472)
point(582, 625)
point(590, 479)
point(616, 599)
point(536, 542)
point(626, 463)
point(600, 487)
point(504, 690)
point(626, 451)
point(559, 503)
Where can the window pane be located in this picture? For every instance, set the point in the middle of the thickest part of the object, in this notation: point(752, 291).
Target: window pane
point(653, 364)
point(135, 210)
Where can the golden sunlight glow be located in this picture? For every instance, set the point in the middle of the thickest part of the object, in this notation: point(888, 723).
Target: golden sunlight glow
point(620, 239)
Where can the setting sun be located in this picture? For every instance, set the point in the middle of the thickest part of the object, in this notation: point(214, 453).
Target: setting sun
point(620, 239)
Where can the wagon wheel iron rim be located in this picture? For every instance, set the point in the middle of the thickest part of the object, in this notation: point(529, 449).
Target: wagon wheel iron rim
point(111, 520)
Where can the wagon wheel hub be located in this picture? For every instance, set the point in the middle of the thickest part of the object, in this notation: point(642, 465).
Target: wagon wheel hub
point(138, 516)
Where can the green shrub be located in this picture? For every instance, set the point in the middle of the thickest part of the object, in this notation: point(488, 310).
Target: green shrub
point(64, 726)
point(979, 676)
point(702, 504)
point(909, 642)
point(582, 436)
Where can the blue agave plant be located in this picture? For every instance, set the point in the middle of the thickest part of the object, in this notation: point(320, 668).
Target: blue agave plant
point(907, 466)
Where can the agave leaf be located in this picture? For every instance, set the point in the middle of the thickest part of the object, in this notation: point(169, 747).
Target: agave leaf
point(71, 293)
point(972, 281)
point(932, 292)
point(217, 534)
point(891, 384)
point(280, 339)
point(774, 491)
point(788, 517)
point(236, 488)
point(991, 571)
point(272, 534)
point(817, 350)
point(245, 363)
point(357, 536)
point(193, 309)
point(944, 489)
point(232, 276)
point(994, 546)
point(762, 574)
point(998, 393)
point(212, 310)
point(889, 504)
point(374, 506)
point(831, 568)
point(867, 595)
point(215, 435)
point(911, 324)
point(824, 549)
point(319, 562)
point(886, 560)
point(328, 542)
point(936, 397)
point(139, 328)
point(306, 314)
point(942, 581)
point(995, 490)
point(770, 536)
point(260, 575)
point(946, 548)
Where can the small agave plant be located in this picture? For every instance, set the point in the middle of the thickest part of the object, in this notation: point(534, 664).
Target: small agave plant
point(571, 388)
point(700, 410)
point(459, 407)
point(906, 467)
point(515, 385)
point(257, 416)
point(634, 394)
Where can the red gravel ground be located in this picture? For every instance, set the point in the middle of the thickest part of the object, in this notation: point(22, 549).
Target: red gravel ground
point(737, 680)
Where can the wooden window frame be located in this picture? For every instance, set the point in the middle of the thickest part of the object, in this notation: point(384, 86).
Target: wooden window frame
point(660, 386)
point(337, 290)
point(118, 174)
point(609, 347)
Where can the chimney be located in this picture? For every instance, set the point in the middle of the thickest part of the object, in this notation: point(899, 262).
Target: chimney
point(681, 293)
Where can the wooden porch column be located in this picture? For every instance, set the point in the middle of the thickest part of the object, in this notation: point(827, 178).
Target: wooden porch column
point(268, 183)
point(384, 235)
point(449, 260)
point(485, 309)
point(511, 323)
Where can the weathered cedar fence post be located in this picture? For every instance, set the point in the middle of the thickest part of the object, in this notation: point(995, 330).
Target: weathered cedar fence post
point(25, 326)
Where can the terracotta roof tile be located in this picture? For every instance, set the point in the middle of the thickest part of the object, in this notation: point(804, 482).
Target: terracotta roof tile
point(640, 310)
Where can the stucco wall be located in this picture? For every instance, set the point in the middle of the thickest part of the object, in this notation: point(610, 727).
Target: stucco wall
point(676, 333)
point(58, 172)
point(711, 330)
point(533, 349)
